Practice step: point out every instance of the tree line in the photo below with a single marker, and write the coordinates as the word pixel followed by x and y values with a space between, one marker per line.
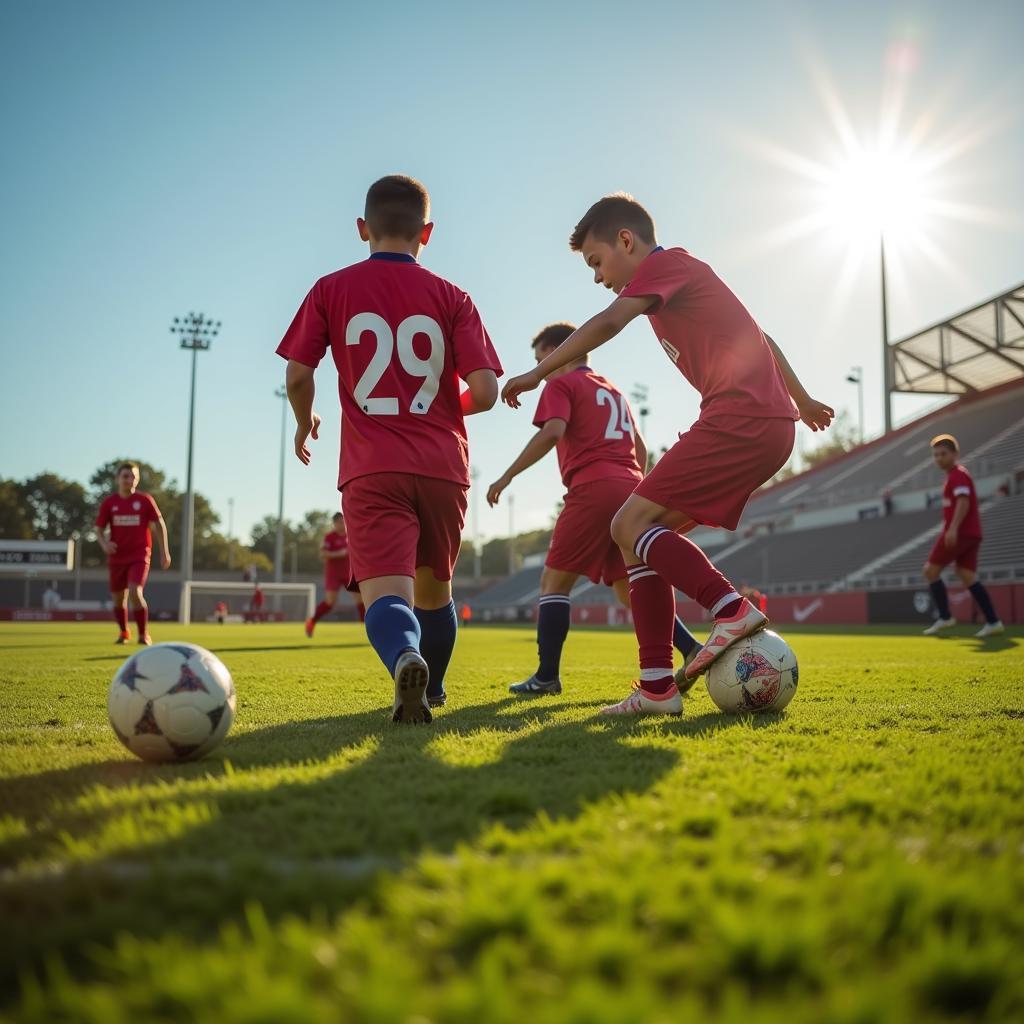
pixel 49 507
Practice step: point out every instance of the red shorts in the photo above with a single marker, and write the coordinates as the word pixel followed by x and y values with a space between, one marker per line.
pixel 127 574
pixel 714 468
pixel 965 554
pixel 582 542
pixel 398 522
pixel 335 581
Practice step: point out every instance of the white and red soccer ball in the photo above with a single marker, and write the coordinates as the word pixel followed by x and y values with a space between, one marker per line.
pixel 171 702
pixel 758 673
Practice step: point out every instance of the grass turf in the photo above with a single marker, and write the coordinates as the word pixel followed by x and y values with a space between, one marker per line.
pixel 856 859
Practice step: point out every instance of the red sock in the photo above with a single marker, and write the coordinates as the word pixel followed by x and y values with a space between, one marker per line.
pixel 687 568
pixel 361 608
pixel 321 610
pixel 654 616
pixel 121 616
pixel 142 619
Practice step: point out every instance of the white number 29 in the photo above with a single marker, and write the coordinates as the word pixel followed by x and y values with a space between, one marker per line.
pixel 619 422
pixel 429 369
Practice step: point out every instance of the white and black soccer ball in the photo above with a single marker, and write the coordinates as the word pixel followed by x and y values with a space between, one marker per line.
pixel 171 702
pixel 757 673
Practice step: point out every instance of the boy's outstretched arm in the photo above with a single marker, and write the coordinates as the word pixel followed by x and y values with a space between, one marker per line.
pixel 594 333
pixel 301 388
pixel 481 392
pixel 815 414
pixel 536 448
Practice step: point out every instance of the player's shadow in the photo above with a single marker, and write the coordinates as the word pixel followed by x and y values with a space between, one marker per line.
pixel 324 810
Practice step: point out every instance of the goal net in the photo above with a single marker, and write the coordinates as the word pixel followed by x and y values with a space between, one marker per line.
pixel 213 601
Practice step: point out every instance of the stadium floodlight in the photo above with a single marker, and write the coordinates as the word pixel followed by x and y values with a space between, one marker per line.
pixel 196 332
pixel 856 376
pixel 281 393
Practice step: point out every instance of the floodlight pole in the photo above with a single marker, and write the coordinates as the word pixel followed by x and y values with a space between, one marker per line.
pixel 887 374
pixel 856 376
pixel 196 332
pixel 281 393
pixel 474 476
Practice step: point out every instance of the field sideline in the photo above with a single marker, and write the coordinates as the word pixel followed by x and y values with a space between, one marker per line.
pixel 859 858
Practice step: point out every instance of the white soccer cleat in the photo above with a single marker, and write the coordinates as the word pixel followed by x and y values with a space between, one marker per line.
pixel 990 629
pixel 411 678
pixel 640 702
pixel 724 633
pixel 940 626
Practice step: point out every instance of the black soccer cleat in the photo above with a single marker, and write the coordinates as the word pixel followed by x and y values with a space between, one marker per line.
pixel 534 687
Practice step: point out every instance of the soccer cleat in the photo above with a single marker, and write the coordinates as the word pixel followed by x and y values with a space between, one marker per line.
pixel 145 640
pixel 310 623
pixel 724 633
pixel 682 683
pixel 640 702
pixel 123 637
pixel 939 625
pixel 990 629
pixel 534 687
pixel 411 678
pixel 437 700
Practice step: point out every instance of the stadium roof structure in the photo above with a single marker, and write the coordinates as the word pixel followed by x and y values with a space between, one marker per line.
pixel 977 349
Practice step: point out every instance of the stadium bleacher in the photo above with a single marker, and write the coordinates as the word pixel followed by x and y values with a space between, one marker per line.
pixel 864 521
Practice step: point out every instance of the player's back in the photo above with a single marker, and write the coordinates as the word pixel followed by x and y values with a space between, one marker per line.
pixel 401 338
pixel 600 436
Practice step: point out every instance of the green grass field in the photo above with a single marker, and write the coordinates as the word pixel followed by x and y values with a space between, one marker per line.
pixel 859 858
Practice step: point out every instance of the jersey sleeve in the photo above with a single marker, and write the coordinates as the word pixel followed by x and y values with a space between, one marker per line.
pixel 471 344
pixel 660 276
pixel 555 403
pixel 961 485
pixel 308 338
pixel 103 515
pixel 152 510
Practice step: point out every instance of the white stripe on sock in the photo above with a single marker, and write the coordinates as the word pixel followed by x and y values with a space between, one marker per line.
pixel 643 545
pixel 554 599
pixel 641 575
pixel 728 599
pixel 649 675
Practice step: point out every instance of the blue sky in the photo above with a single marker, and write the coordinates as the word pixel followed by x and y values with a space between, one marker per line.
pixel 161 158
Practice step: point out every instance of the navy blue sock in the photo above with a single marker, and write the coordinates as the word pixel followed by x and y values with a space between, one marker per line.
pixel 391 628
pixel 553 614
pixel 983 601
pixel 682 639
pixel 940 597
pixel 438 628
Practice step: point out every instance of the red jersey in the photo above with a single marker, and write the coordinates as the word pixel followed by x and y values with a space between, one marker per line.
pixel 401 338
pixel 708 333
pixel 599 442
pixel 960 485
pixel 334 542
pixel 129 520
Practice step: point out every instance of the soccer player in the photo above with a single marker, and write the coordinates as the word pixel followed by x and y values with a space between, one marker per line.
pixel 959 541
pixel 600 451
pixel 337 572
pixel 124 521
pixel 743 436
pixel 401 338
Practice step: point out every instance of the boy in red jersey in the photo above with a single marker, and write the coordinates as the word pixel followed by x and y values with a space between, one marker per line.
pixel 600 452
pixel 743 436
pixel 402 339
pixel 337 572
pixel 123 522
pixel 959 541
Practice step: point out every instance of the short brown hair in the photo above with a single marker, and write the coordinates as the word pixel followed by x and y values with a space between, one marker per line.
pixel 608 216
pixel 397 206
pixel 337 516
pixel 552 336
pixel 945 441
pixel 126 465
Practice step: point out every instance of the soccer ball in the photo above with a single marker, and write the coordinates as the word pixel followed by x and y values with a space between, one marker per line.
pixel 758 673
pixel 171 702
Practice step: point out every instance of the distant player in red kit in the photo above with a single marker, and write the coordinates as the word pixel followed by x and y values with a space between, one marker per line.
pixel 750 397
pixel 256 603
pixel 124 520
pixel 600 451
pixel 402 339
pixel 337 572
pixel 959 542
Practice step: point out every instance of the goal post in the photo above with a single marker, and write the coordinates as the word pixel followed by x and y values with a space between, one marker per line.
pixel 283 602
